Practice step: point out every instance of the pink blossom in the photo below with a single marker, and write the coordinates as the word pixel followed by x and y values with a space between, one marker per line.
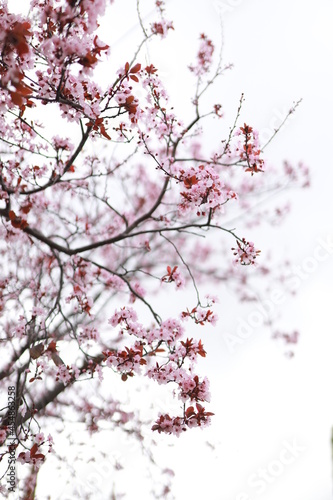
pixel 3 435
pixel 39 438
pixel 161 28
pixel 245 253
pixel 127 361
pixel 65 373
pixel 24 458
pixel 126 314
pixel 203 191
pixel 174 275
pixel 248 149
pixel 204 56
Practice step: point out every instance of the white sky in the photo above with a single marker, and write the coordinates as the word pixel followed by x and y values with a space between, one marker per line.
pixel 282 51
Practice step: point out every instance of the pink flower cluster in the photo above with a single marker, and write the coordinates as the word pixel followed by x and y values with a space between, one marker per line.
pixel 177 425
pixel 200 315
pixel 163 26
pixel 189 349
pixel 82 279
pixel 155 115
pixel 248 149
pixel 64 38
pixel 173 275
pixel 89 332
pixel 204 190
pixel 70 34
pixel 126 315
pixel 3 435
pixel 34 455
pixel 298 174
pixel 128 361
pixel 67 374
pixel 166 336
pixel 15 35
pixel 169 331
pixel 84 303
pixel 127 101
pixel 245 253
pixel 204 56
pixel 190 387
pixel 34 459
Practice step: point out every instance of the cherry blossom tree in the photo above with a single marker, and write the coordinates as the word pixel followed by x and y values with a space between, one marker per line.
pixel 108 198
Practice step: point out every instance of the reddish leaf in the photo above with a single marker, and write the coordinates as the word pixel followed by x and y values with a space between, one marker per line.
pixel 190 181
pixel 151 69
pixel 27 207
pixel 135 68
pixel 12 215
pixel 33 450
pixel 190 411
pixel 17 222
pixel 98 48
pixel 52 347
pixel 104 132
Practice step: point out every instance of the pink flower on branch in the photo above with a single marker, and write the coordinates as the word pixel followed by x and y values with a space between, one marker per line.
pixel 39 438
pixel 33 457
pixel 161 27
pixel 201 316
pixel 245 253
pixel 204 59
pixel 177 425
pixel 204 190
pixel 128 361
pixel 173 275
pixel 249 150
pixel 3 435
